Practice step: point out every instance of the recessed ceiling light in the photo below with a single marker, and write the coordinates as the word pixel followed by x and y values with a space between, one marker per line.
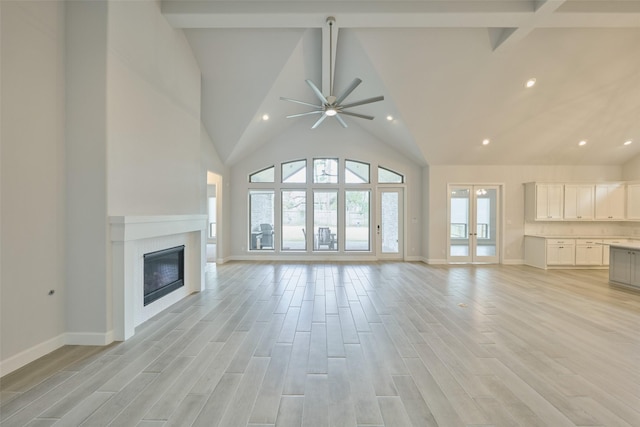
pixel 265 117
pixel 628 142
pixel 485 141
pixel 531 82
pixel 581 143
pixel 389 117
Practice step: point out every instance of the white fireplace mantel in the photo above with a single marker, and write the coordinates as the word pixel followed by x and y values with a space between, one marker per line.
pixel 133 236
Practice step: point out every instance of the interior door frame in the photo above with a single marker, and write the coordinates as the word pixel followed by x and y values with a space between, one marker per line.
pixel 472 258
pixel 402 225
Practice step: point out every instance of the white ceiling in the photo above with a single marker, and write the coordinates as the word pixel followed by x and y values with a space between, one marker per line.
pixel 452 73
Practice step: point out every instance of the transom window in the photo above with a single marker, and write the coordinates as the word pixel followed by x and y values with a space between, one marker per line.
pixel 387 176
pixel 325 171
pixel 294 172
pixel 264 175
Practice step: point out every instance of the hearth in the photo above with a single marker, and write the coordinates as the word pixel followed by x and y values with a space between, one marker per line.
pixel 163 273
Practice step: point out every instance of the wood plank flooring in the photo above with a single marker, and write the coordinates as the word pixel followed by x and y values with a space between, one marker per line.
pixel 356 344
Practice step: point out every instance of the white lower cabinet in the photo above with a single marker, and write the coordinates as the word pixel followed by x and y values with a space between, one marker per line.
pixel 561 252
pixel 588 252
pixel 625 266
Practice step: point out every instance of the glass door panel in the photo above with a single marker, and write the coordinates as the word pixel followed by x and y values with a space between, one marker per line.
pixel 391 226
pixel 459 216
pixel 474 223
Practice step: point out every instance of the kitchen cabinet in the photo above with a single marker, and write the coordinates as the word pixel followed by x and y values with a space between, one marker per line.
pixel 633 201
pixel 561 252
pixel 579 201
pixel 544 202
pixel 606 248
pixel 610 201
pixel 588 252
pixel 624 266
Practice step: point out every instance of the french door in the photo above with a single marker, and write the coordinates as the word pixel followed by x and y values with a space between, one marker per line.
pixel 390 227
pixel 474 224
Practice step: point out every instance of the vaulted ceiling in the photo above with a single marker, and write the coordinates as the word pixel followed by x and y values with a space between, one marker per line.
pixel 452 73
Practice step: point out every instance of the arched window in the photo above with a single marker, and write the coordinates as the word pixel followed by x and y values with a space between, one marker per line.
pixel 264 175
pixel 387 176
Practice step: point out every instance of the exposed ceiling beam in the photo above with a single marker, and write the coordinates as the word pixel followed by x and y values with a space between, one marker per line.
pixel 403 14
pixel 511 36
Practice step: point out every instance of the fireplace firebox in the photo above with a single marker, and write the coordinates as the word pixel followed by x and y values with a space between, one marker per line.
pixel 163 273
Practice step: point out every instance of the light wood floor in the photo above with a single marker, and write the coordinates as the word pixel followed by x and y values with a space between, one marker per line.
pixel 369 344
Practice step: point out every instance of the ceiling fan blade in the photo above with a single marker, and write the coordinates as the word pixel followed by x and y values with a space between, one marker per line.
pixel 320 120
pixel 354 84
pixel 362 116
pixel 341 121
pixel 364 101
pixel 300 102
pixel 315 90
pixel 304 114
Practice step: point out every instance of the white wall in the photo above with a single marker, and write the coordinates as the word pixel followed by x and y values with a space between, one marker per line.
pixel 329 140
pixel 101 116
pixel 32 180
pixel 217 170
pixel 512 177
pixel 631 169
pixel 153 110
pixel 87 243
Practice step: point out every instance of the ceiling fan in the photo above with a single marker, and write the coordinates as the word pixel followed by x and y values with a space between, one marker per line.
pixel 331 105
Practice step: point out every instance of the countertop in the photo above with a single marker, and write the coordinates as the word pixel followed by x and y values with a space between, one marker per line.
pixel 578 236
pixel 633 245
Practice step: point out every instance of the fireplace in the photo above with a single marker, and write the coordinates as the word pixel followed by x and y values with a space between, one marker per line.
pixel 163 273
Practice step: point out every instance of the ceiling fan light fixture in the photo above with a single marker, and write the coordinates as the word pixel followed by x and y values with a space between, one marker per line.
pixel 331 112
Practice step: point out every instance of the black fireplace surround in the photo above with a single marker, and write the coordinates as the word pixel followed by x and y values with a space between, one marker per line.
pixel 163 273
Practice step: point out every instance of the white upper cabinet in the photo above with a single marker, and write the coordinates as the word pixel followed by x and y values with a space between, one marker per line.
pixel 610 201
pixel 544 202
pixel 633 201
pixel 579 201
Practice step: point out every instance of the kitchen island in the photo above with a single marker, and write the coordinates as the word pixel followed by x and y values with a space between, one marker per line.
pixel 624 264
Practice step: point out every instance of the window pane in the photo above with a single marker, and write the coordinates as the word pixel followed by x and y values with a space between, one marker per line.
pixel 325 220
pixel 261 206
pixel 265 175
pixel 294 171
pixel 325 171
pixel 385 176
pixel 356 232
pixel 294 208
pixel 356 172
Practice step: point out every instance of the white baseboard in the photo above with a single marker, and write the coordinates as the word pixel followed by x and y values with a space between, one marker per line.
pixel 88 338
pixel 29 355
pixel 513 261
pixel 71 338
pixel 436 261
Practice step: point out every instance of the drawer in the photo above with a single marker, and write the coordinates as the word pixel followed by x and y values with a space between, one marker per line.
pixel 588 242
pixel 561 241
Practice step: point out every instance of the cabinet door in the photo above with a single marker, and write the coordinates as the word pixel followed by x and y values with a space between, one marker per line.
pixel 588 255
pixel 635 268
pixel 610 200
pixel 578 201
pixel 555 201
pixel 560 254
pixel 633 201
pixel 549 201
pixel 620 265
pixel 542 201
